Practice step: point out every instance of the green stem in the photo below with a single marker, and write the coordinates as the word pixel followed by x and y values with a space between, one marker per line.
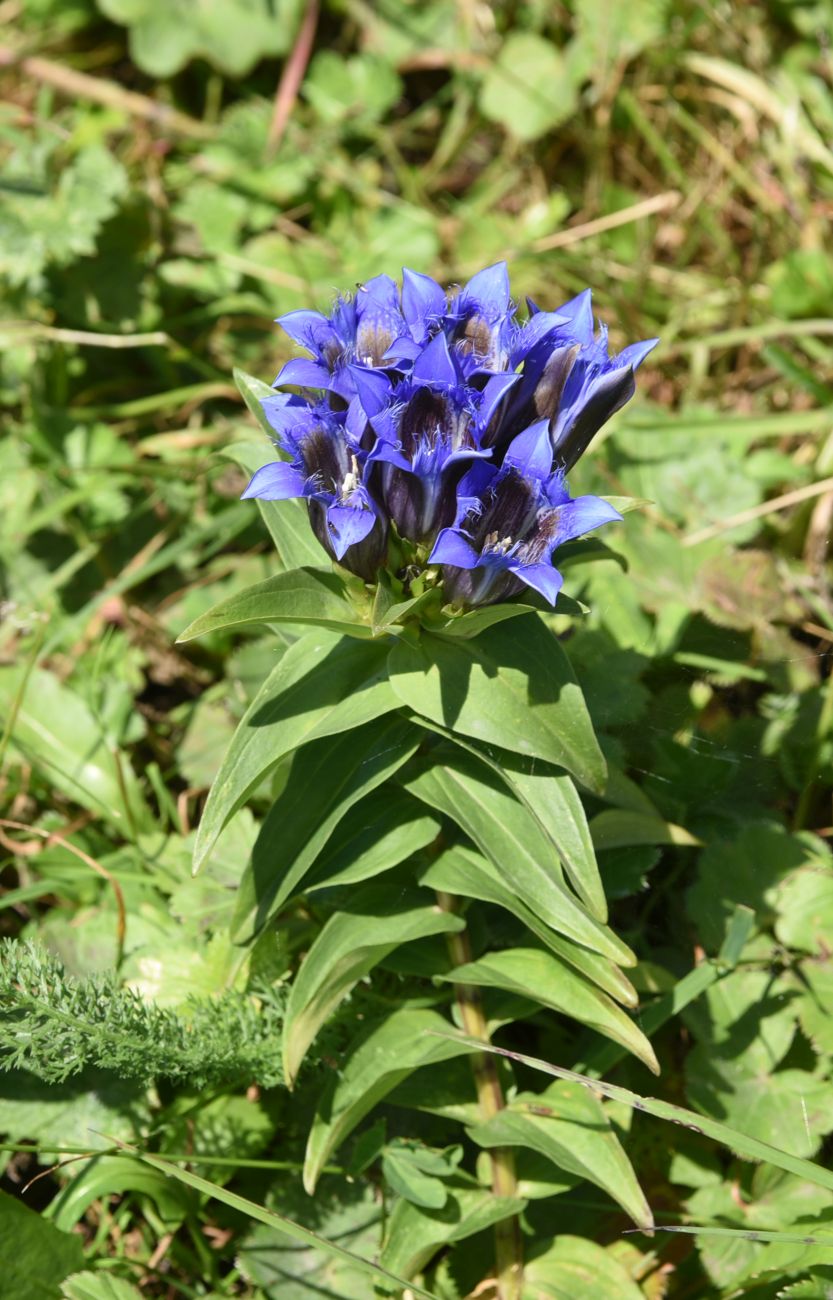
pixel 508 1251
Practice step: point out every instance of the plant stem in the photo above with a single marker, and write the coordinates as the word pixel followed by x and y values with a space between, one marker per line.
pixel 508 1251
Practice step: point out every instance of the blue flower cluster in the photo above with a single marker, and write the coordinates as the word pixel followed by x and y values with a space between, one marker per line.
pixel 435 430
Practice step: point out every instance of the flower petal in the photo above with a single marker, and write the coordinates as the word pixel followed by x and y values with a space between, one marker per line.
pixel 276 481
pixel 423 300
pixel 582 515
pixel 434 365
pixel 541 577
pixel 579 311
pixel 488 291
pixel 346 526
pixel 304 374
pixel 581 419
pixel 531 451
pixel 451 547
pixel 635 353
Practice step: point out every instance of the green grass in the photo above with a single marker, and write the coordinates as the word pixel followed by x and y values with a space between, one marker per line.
pixel 150 230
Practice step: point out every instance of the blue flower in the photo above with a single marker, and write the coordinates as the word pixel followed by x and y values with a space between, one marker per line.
pixel 510 521
pixel 442 416
pixel 430 428
pixel 569 378
pixel 327 470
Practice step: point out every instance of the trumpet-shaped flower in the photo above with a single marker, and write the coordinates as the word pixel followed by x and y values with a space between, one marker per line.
pixel 442 415
pixel 510 521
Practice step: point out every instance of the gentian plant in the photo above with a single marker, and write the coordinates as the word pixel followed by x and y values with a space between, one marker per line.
pixel 425 737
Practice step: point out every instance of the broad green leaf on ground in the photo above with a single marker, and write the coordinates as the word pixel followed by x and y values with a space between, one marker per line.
pixel 743 870
pixel 609 35
pixel 414 1234
pixel 465 872
pixel 325 779
pixel 466 790
pixel 813 1002
pixel 804 903
pixel 292 1270
pixel 232 35
pixel 104 1176
pixel 78 1113
pixel 568 1126
pixel 36 1255
pixel 512 686
pixel 98 1286
pixel 323 684
pixel 390 827
pixel 351 943
pixel 306 595
pixel 768 1201
pixel 287 521
pixel 575 1268
pixel 541 977
pixel 791 1108
pixel 528 88
pixel 56 731
pixel 382 1057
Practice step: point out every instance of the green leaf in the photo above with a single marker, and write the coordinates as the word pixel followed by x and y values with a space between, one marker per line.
pixel 465 872
pixel 415 1234
pixel 575 1268
pixel 324 684
pixel 805 906
pixel 325 778
pixel 36 1255
pixel 511 686
pixel 287 521
pixel 104 1176
pixel 351 943
pixel 385 1054
pixel 77 1112
pixel 543 979
pixel 568 1126
pixel 552 799
pixel 465 789
pixel 315 596
pixel 251 1210
pixel 55 729
pixel 528 88
pixel 98 1286
pixel 416 1172
pixel 620 827
pixel 392 826
pixel 750 1148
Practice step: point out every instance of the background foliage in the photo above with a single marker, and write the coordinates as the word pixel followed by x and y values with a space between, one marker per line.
pixel 153 220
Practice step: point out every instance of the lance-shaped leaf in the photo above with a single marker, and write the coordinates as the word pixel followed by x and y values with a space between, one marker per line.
pixel 351 943
pixel 465 872
pixel 568 1126
pixel 315 596
pixel 387 827
pixel 553 800
pixel 542 978
pixel 512 686
pixel 415 1234
pixel 325 779
pixel 323 684
pixel 620 827
pixel 464 788
pixel 382 1057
